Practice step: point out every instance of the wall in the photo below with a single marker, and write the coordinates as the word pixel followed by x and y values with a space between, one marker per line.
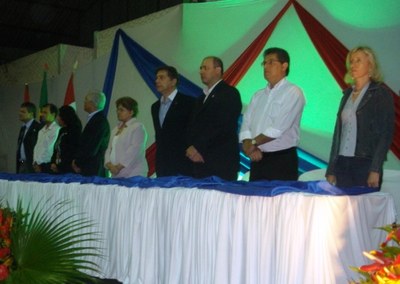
pixel 184 34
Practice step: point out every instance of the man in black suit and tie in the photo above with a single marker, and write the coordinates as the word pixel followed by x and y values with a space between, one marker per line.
pixel 171 116
pixel 214 148
pixel 89 160
pixel 27 137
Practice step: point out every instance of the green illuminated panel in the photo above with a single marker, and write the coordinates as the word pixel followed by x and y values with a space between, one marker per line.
pixel 307 70
pixel 365 13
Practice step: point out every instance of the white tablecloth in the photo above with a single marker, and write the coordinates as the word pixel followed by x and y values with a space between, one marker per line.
pixel 181 235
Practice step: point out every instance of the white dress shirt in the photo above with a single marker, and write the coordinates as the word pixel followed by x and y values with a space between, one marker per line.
pixel 207 90
pixel 348 137
pixel 165 104
pixel 276 113
pixel 44 147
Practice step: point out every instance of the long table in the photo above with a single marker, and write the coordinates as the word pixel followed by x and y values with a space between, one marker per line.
pixel 196 235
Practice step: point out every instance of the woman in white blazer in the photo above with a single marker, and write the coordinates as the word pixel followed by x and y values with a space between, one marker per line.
pixel 125 155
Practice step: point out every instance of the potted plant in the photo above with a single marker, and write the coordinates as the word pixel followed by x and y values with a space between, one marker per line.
pixel 40 247
pixel 385 268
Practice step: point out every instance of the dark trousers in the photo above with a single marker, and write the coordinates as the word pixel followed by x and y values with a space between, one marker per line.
pixel 25 167
pixel 353 171
pixel 203 170
pixel 279 165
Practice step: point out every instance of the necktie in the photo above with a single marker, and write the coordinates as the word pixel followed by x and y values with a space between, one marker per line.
pixel 21 139
pixel 163 109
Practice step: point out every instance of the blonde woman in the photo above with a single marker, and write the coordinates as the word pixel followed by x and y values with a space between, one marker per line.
pixel 364 126
pixel 125 155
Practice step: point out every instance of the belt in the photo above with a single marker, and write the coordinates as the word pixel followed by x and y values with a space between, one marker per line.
pixel 280 152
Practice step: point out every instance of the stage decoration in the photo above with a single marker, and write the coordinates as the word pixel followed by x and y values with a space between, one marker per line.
pixel 27 97
pixel 37 247
pixel 69 99
pixel 331 50
pixel 43 89
pixel 385 268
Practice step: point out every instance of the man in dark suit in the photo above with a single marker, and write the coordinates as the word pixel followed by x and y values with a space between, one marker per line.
pixel 213 134
pixel 171 116
pixel 89 159
pixel 27 138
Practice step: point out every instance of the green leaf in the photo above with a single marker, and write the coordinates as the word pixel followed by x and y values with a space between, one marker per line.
pixel 52 248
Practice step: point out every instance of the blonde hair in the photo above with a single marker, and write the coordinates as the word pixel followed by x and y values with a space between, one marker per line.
pixel 374 72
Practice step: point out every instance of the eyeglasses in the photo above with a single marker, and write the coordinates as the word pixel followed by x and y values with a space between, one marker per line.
pixel 269 62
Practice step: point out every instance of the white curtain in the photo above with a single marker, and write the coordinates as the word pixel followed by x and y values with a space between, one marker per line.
pixel 182 235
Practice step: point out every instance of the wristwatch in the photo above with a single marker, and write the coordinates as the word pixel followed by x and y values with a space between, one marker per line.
pixel 253 142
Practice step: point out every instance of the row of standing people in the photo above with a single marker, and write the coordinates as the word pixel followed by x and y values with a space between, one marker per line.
pixel 57 144
pixel 270 130
pixel 200 137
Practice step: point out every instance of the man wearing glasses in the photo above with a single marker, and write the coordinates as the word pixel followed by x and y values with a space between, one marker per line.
pixel 271 124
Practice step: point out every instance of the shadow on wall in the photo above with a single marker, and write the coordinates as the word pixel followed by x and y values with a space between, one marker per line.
pixel 3 162
pixel 3 155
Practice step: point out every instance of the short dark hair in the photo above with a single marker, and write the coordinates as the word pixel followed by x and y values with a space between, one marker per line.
pixel 69 116
pixel 283 55
pixel 129 104
pixel 217 62
pixel 171 72
pixel 52 108
pixel 30 107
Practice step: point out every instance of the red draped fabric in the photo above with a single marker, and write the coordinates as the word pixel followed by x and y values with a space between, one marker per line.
pixel 331 50
pixel 334 53
pixel 396 138
pixel 151 159
pixel 238 69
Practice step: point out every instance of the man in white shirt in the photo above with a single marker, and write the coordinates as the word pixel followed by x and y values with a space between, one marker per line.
pixel 46 138
pixel 270 129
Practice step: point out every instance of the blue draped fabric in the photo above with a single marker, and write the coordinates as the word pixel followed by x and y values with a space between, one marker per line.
pixel 147 64
pixel 272 188
pixel 110 75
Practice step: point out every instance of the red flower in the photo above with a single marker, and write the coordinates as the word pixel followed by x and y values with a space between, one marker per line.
pixel 4 252
pixel 3 272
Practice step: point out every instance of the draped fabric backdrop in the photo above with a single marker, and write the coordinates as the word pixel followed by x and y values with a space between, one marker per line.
pixel 331 50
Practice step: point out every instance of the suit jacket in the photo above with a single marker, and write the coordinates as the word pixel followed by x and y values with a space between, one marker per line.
pixel 92 146
pixel 171 137
pixel 375 127
pixel 214 132
pixel 130 149
pixel 29 142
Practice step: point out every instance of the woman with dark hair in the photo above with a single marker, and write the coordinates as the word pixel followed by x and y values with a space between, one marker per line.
pixel 125 155
pixel 67 140
pixel 364 126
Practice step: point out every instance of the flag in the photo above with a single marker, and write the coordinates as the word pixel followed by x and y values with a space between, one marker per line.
pixel 69 99
pixel 43 92
pixel 26 94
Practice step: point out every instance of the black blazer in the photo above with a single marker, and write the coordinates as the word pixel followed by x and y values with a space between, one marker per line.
pixel 29 142
pixel 65 148
pixel 171 138
pixel 214 132
pixel 92 146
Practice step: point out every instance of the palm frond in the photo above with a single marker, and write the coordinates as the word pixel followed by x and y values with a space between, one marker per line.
pixel 52 248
